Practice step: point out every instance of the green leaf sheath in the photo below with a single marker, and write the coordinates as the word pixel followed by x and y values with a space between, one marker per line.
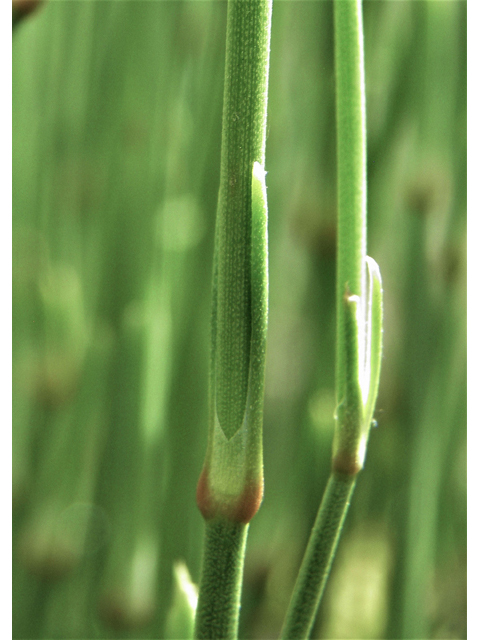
pixel 230 487
pixel 351 167
pixel 232 478
pixel 231 482
pixel 347 454
pixel 243 143
pixel 355 412
pixel 220 587
pixel 318 558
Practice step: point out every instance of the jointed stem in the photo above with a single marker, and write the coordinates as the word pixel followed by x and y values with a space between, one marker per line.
pixel 230 488
pixel 359 323
pixel 243 144
pixel 351 168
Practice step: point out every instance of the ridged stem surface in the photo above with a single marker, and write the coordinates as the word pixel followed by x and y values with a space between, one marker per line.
pixel 318 558
pixel 221 582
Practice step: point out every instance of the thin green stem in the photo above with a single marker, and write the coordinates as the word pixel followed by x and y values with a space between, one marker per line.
pixel 232 479
pixel 221 582
pixel 230 488
pixel 351 169
pixel 243 144
pixel 359 323
pixel 359 287
pixel 318 558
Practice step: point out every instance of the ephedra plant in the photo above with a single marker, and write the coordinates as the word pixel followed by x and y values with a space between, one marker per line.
pixel 231 485
pixel 147 501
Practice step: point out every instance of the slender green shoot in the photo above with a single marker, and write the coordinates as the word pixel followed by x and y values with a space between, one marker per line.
pixel 230 488
pixel 359 324
pixel 318 558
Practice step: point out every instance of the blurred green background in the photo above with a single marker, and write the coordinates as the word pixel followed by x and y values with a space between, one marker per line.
pixel 117 111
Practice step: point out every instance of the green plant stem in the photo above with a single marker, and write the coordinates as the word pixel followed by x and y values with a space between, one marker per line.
pixel 232 478
pixel 243 144
pixel 351 168
pixel 230 488
pixel 359 323
pixel 220 586
pixel 318 558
